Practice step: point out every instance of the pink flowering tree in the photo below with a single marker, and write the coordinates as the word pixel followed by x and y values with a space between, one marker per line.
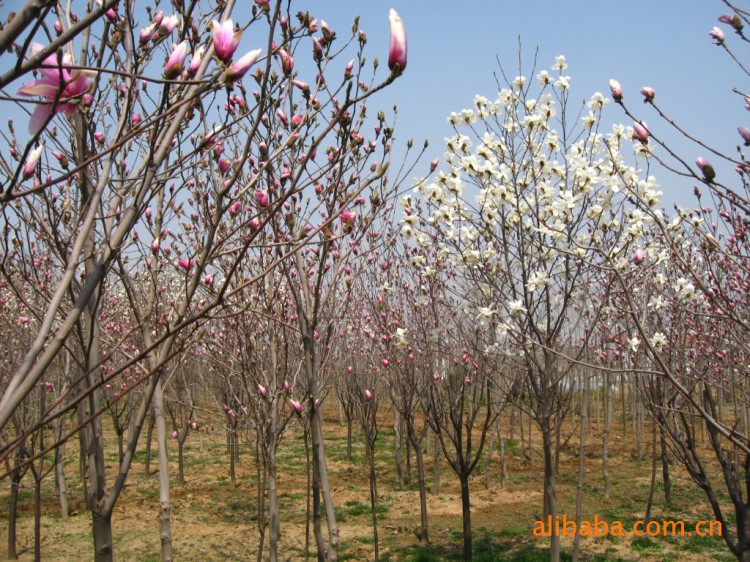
pixel 697 343
pixel 147 163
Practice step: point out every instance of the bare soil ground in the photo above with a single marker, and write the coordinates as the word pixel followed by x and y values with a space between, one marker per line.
pixel 214 519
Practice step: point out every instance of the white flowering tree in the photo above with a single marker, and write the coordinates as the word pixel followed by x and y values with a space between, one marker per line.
pixel 532 215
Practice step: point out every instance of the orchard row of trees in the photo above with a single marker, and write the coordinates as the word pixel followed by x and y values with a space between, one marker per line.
pixel 194 236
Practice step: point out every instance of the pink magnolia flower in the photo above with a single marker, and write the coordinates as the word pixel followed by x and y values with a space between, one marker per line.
pixel 208 279
pixel 23 320
pixel 32 162
pixel 185 264
pixel 195 62
pixel 745 134
pixel 238 69
pixel 397 51
pixel 262 390
pixel 368 395
pixel 175 434
pixel 706 169
pixel 638 256
pixel 168 25
pixel 385 362
pixel 226 39
pixel 261 196
pixel 296 405
pixel 287 387
pixel 648 94
pixel 61 88
pixel 235 208
pixel 348 217
pixel 717 35
pixel 732 19
pixel 616 89
pixel 640 132
pixel 287 62
pixel 176 62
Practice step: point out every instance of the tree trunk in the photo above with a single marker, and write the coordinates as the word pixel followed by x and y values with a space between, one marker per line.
pixel 398 441
pixel 436 470
pixel 665 468
pixel 466 511
pixel 102 530
pixel 165 504
pixel 62 487
pixel 149 436
pixel 550 497
pixel 424 535
pixel 606 432
pixel 319 459
pixel 37 517
pixel 581 465
pixel 373 495
pixel 13 517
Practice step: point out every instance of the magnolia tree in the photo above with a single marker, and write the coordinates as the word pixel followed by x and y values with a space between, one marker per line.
pixel 147 164
pixel 698 341
pixel 531 216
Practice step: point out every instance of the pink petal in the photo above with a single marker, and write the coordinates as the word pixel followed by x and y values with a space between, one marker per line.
pixel 45 88
pixel 39 118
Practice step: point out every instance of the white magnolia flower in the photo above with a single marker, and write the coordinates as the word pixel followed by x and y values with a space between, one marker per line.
pixel 537 281
pixel 516 307
pixel 633 343
pixel 657 341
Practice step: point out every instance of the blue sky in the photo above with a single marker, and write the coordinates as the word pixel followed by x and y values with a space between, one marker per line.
pixel 454 48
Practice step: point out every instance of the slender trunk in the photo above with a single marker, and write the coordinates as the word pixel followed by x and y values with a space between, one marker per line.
pixel 181 460
pixel 319 459
pixel 550 497
pixel 466 512
pixel 13 517
pixel 62 487
pixel 650 501
pixel 606 432
pixel 37 517
pixel 436 470
pixel 165 503
pixel 149 436
pixel 320 542
pixel 349 438
pixel 488 460
pixel 397 447
pixel 581 465
pixel 373 495
pixel 665 468
pixel 273 493
pixel 309 492
pixel 503 463
pixel 424 535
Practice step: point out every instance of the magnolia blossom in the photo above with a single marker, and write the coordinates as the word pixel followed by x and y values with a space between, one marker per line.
pixel 648 94
pixel 238 69
pixel 516 307
pixel 296 405
pixel 368 395
pixel 706 169
pixel 657 341
pixel 62 89
pixel 176 62
pixel 640 132
pixel 225 38
pixel 717 35
pixel 616 89
pixel 30 166
pixel 397 51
